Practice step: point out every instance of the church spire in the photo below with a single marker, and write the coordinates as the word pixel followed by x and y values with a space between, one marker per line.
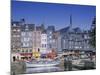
pixel 70 21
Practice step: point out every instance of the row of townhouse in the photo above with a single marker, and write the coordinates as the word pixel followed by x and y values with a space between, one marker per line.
pixel 73 39
pixel 26 38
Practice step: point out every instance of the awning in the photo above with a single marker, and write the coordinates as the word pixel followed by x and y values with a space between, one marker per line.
pixel 26 54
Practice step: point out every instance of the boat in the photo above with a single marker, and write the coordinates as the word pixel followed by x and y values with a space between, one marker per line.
pixel 42 63
pixel 43 69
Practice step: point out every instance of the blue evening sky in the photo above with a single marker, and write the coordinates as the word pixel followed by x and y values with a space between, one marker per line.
pixel 53 14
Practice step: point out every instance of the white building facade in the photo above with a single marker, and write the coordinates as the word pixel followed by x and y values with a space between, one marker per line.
pixel 43 43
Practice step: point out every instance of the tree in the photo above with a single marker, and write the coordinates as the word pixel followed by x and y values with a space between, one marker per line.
pixel 93 33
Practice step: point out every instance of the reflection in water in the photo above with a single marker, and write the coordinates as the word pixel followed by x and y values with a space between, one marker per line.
pixel 43 69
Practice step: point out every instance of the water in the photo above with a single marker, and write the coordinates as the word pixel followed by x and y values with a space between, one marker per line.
pixel 59 68
pixel 63 66
pixel 43 69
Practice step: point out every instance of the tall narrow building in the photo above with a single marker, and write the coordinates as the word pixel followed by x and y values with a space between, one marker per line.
pixel 26 40
pixel 15 40
pixel 43 49
pixel 37 38
pixel 50 31
pixel 15 36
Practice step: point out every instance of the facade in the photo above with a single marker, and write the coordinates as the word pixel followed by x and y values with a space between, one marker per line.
pixel 15 36
pixel 56 41
pixel 59 48
pixel 50 31
pixel 43 42
pixel 75 39
pixel 37 38
pixel 15 40
pixel 87 46
pixel 27 40
pixel 71 40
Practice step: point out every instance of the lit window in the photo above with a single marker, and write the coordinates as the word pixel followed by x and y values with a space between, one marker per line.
pixel 85 36
pixel 50 37
pixel 18 30
pixel 50 32
pixel 14 24
pixel 69 46
pixel 14 35
pixel 14 29
pixel 23 34
pixel 87 46
pixel 76 47
pixel 80 47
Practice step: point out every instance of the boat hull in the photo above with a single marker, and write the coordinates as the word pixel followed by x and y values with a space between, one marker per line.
pixel 28 64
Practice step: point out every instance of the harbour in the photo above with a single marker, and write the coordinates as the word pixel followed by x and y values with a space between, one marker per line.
pixel 65 65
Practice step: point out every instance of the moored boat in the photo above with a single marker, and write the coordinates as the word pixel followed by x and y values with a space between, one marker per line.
pixel 42 63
